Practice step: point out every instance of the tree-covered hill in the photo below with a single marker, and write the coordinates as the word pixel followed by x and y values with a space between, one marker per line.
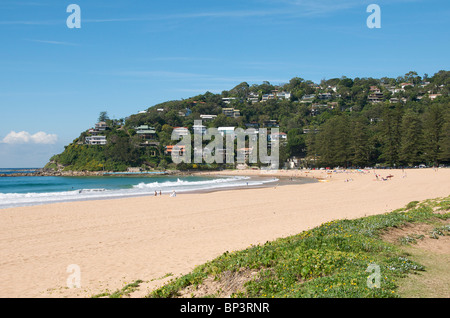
pixel 346 122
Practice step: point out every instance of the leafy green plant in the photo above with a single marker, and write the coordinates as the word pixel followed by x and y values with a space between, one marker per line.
pixel 440 231
pixel 126 290
pixel 410 239
pixel 411 204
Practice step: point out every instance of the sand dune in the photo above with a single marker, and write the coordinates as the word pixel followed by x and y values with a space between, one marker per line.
pixel 118 241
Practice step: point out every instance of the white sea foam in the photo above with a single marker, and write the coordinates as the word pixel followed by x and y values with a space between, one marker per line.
pixel 8 200
pixel 193 185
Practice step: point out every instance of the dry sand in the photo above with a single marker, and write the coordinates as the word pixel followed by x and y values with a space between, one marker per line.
pixel 115 242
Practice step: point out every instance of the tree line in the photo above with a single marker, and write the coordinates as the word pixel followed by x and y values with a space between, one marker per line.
pixel 399 137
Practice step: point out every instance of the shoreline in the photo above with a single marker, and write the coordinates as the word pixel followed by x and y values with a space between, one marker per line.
pixel 153 239
pixel 280 181
pixel 41 173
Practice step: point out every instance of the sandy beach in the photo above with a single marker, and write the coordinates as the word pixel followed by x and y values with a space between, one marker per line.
pixel 115 242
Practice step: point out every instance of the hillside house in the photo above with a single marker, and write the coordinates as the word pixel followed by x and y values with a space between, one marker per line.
pixel 281 136
pixel 226 131
pixel 174 148
pixel 271 124
pixel 253 97
pixel 375 97
pixel 231 112
pixel 95 140
pixel 283 95
pixel 145 132
pixel 181 131
pixel 228 100
pixel 208 117
pixel 101 126
pixel 252 124
pixel 325 96
pixel 266 97
pixel 403 85
pixel 308 98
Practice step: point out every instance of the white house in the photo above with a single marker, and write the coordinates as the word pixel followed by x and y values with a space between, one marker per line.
pixel 224 131
pixel 395 90
pixel 228 100
pixel 284 95
pixel 253 97
pixel 95 140
pixel 181 131
pixel 208 117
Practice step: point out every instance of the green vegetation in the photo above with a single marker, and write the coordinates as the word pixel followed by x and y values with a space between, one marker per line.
pixel 339 122
pixel 328 261
pixel 440 231
pixel 126 290
pixel 412 204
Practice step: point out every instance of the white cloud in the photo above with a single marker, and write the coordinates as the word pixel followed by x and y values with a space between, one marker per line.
pixel 24 137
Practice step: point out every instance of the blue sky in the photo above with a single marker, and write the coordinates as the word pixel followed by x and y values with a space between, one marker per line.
pixel 130 55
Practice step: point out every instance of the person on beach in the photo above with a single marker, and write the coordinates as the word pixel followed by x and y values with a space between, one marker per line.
pixel 173 194
pixel 156 193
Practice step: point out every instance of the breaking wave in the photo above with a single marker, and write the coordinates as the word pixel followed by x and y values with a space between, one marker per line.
pixel 8 200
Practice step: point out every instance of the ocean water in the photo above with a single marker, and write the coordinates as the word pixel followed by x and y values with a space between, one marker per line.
pixel 26 191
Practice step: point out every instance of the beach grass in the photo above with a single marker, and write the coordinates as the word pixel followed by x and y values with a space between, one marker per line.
pixel 338 259
pixel 126 290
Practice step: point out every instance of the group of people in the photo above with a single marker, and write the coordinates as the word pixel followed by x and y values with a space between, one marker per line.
pixel 379 177
pixel 173 194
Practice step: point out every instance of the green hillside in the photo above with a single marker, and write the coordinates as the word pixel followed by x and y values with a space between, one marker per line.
pixel 344 122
